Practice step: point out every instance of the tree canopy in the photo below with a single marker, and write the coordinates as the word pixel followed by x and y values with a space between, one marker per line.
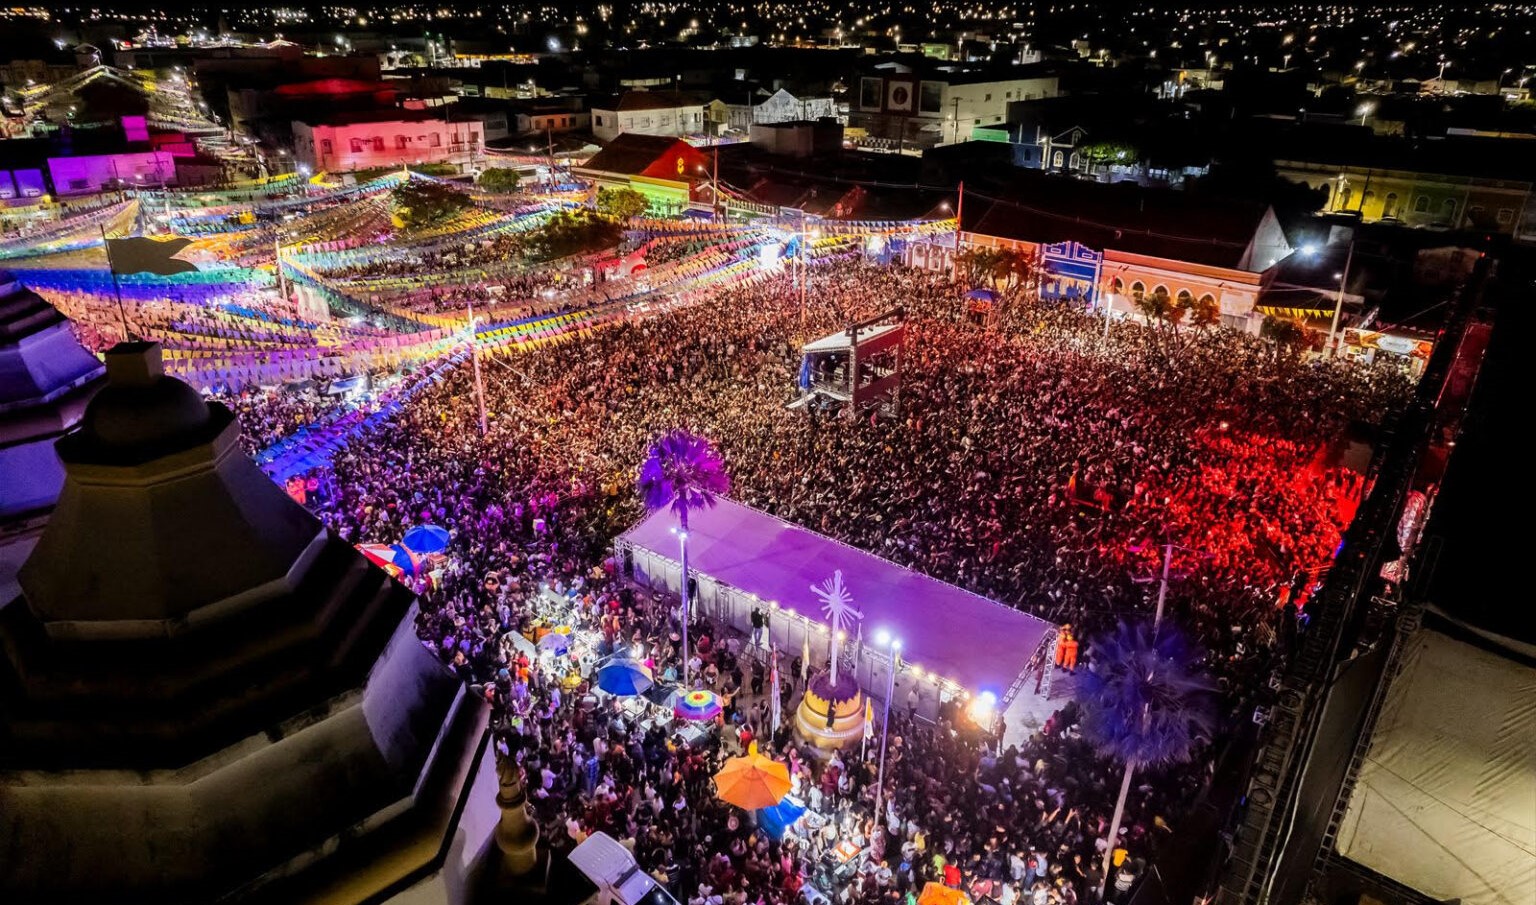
pixel 500 179
pixel 625 204
pixel 419 204
pixel 573 232
pixel 1146 702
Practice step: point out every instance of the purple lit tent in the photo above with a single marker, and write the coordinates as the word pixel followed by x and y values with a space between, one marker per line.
pixel 743 558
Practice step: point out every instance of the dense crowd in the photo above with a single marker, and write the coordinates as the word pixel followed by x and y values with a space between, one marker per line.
pixel 1035 460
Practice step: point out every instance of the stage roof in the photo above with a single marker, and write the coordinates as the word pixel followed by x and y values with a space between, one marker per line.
pixel 944 629
pixel 1446 799
pixel 837 342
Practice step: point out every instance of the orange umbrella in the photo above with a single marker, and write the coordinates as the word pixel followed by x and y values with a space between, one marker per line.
pixel 752 782
pixel 939 894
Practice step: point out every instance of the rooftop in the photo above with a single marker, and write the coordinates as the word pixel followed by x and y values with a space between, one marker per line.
pixel 649 100
pixel 630 153
pixel 354 117
pixel 1182 226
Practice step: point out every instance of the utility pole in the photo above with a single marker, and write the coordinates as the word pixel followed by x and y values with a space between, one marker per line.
pixel 474 354
pixel 715 187
pixel 802 275
pixel 1162 590
pixel 959 213
pixel 277 259
pixel 116 289
pixel 956 137
pixel 1338 305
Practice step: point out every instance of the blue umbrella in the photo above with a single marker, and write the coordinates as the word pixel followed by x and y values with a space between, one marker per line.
pixel 984 295
pixel 426 539
pixel 623 676
pixel 775 820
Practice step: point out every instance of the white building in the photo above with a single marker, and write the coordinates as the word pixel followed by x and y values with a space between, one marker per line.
pixel 739 114
pixel 359 141
pixel 668 113
pixel 906 111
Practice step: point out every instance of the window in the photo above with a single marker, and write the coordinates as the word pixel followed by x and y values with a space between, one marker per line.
pixel 989 98
pixel 474 136
pixel 1327 191
pixel 869 94
pixel 1058 159
pixel 325 147
pixel 1421 204
pixel 1007 95
pixel 1389 208
pixel 1116 287
pixel 1138 291
pixel 1506 216
pixel 930 97
pixel 401 142
pixel 1186 298
pixel 599 119
pixel 437 140
pixel 378 143
pixel 1365 200
pixel 1207 301
pixel 357 146
pixel 1448 209
pixel 1344 198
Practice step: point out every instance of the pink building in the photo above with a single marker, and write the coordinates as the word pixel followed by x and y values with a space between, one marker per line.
pixel 358 141
pixel 109 172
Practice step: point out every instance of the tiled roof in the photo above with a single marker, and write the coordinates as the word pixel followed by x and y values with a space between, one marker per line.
pixel 630 153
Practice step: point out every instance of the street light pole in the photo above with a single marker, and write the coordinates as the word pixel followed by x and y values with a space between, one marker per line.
pixel 1338 305
pixel 885 728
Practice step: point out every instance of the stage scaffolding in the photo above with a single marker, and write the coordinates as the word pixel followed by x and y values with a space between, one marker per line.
pixel 858 367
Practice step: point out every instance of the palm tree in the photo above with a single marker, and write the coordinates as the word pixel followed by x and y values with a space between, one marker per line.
pixel 1145 703
pixel 682 472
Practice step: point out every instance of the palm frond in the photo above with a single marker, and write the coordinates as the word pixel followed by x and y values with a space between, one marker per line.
pixel 683 472
pixel 1145 702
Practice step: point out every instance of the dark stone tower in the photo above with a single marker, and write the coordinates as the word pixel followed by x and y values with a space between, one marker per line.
pixel 206 696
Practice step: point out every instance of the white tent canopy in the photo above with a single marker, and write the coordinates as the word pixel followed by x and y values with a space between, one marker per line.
pixel 1446 798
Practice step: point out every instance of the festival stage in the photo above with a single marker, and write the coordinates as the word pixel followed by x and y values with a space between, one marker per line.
pixel 953 641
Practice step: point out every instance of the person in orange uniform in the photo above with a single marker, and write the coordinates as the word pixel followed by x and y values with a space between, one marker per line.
pixel 1062 638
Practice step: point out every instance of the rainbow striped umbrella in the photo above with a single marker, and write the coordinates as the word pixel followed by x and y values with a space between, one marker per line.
pixel 697 705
